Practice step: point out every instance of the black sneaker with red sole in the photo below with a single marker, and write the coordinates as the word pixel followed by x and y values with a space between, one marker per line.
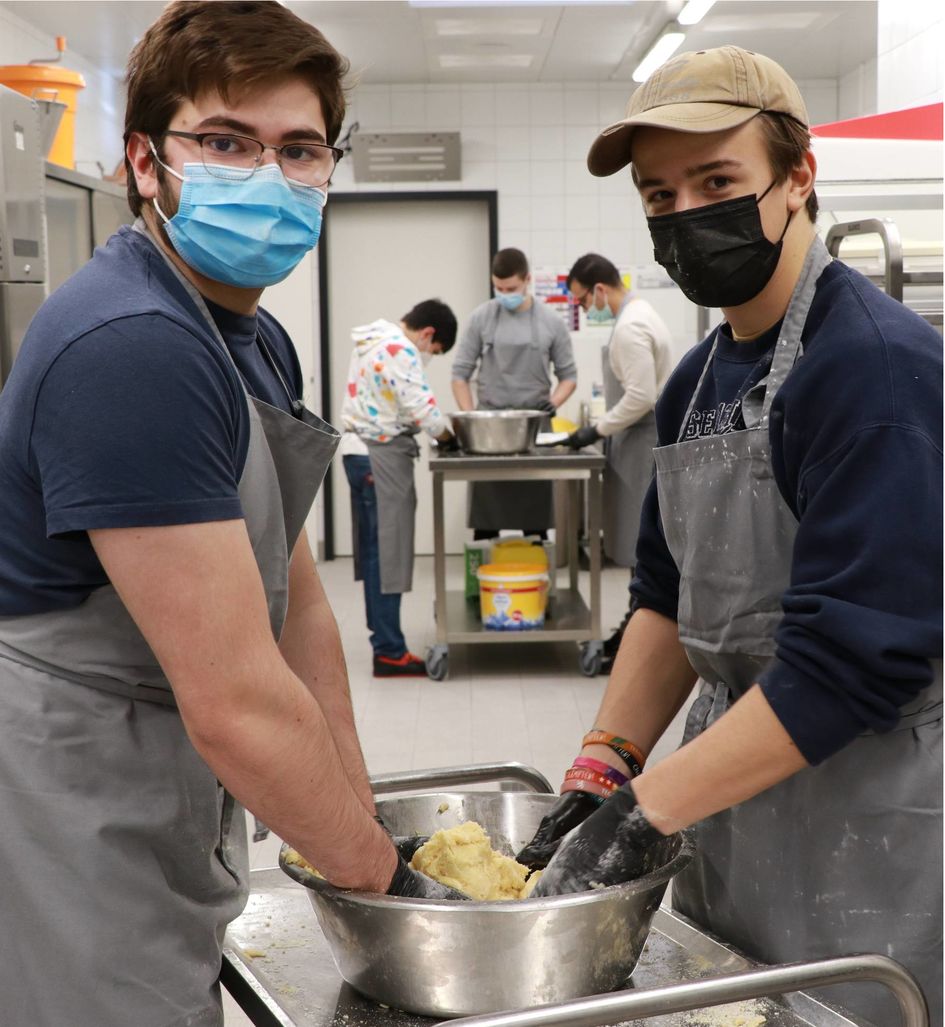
pixel 406 666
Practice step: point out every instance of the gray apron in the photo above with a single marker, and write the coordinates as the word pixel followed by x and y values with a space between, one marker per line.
pixel 123 857
pixel 628 472
pixel 841 858
pixel 392 468
pixel 512 376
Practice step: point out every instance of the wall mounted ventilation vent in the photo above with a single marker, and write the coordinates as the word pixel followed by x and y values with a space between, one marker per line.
pixel 406 156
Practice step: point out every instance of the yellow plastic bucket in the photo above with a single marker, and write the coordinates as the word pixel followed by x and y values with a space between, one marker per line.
pixel 517 550
pixel 50 82
pixel 513 596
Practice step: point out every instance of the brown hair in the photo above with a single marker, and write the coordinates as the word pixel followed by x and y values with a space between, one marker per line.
pixel 196 45
pixel 510 262
pixel 786 141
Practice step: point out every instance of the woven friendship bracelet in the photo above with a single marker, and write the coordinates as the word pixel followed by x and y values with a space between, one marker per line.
pixel 627 751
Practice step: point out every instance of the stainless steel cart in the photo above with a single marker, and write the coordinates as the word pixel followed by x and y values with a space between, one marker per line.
pixel 571 619
pixel 279 969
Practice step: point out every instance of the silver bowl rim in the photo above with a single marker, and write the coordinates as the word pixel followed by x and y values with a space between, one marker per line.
pixel 495 415
pixel 500 907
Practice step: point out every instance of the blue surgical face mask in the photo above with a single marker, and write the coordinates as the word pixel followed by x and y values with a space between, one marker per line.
pixel 247 232
pixel 598 315
pixel 510 300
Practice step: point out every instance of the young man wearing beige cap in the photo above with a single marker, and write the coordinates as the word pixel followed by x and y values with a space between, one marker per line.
pixel 789 562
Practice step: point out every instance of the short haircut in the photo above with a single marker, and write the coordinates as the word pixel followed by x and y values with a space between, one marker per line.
pixel 437 315
pixel 786 141
pixel 591 269
pixel 510 262
pixel 229 46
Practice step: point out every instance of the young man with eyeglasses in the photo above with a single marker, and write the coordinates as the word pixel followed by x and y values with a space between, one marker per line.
pixel 167 651
pixel 790 558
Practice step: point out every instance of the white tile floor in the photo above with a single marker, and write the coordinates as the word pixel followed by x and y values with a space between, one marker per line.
pixel 527 702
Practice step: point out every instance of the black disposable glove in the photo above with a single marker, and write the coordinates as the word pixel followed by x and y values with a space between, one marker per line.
pixel 406 845
pixel 546 408
pixel 569 811
pixel 448 445
pixel 613 845
pixel 410 883
pixel 586 436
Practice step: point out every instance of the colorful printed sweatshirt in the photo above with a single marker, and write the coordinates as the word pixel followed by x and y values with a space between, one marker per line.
pixel 388 393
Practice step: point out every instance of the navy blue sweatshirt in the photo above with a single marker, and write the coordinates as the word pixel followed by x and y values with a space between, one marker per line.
pixel 856 436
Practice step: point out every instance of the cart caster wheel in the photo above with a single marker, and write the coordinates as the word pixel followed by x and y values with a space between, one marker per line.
pixel 592 658
pixel 438 663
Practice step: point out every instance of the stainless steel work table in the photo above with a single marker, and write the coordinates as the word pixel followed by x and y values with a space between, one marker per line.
pixel 570 619
pixel 278 968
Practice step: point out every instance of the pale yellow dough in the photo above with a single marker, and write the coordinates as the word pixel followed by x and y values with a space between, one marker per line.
pixel 463 858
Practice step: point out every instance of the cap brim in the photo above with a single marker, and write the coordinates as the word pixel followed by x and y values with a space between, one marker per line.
pixel 612 149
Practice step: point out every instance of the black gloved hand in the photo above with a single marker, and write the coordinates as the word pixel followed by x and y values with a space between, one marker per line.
pixel 410 883
pixel 613 845
pixel 546 408
pixel 585 436
pixel 449 445
pixel 407 845
pixel 569 811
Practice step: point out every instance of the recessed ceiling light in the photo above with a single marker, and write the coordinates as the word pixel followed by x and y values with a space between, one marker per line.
pixel 503 60
pixel 488 26
pixel 667 44
pixel 694 12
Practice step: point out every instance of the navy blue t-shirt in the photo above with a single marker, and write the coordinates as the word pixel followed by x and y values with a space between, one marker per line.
pixel 123 410
pixel 856 437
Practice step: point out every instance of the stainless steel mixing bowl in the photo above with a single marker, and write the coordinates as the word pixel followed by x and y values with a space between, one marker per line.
pixel 497 432
pixel 460 958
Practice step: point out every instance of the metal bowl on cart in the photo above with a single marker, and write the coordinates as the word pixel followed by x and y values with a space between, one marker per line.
pixel 497 432
pixel 460 958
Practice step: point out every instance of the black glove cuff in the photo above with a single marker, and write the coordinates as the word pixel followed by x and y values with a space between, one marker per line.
pixel 402 883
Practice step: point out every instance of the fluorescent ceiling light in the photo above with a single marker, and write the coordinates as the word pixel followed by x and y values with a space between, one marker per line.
pixel 497 60
pixel 694 12
pixel 488 26
pixel 659 52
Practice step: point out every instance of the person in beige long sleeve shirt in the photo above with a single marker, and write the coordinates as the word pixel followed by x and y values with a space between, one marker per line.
pixel 637 361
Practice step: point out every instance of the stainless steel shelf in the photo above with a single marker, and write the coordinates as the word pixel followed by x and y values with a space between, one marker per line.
pixel 568 620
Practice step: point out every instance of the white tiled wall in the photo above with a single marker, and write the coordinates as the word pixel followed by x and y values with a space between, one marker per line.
pixel 909 54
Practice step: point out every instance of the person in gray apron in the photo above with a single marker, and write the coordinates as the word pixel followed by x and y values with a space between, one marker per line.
pixel 514 342
pixel 388 400
pixel 123 846
pixel 636 363
pixel 812 758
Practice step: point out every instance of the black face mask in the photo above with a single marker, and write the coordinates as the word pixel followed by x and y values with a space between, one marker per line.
pixel 718 255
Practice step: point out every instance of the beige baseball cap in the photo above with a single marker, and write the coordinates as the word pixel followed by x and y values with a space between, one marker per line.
pixel 699 91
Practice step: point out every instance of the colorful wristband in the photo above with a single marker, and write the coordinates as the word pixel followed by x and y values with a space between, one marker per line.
pixel 599 792
pixel 627 751
pixel 602 768
pixel 591 776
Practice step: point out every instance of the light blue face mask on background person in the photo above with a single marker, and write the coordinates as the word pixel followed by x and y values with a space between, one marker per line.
pixel 510 300
pixel 248 232
pixel 598 315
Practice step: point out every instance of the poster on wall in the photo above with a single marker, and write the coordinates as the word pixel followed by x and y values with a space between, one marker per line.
pixel 551 288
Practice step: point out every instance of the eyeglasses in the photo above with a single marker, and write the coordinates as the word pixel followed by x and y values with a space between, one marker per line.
pixel 584 300
pixel 311 163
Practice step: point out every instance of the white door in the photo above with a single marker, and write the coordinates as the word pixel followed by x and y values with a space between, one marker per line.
pixel 383 257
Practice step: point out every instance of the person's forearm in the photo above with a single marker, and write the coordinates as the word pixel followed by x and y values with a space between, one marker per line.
pixel 272 749
pixel 744 752
pixel 462 394
pixel 650 681
pixel 311 645
pixel 562 391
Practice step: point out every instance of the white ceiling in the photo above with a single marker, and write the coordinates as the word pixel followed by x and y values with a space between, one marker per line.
pixel 437 41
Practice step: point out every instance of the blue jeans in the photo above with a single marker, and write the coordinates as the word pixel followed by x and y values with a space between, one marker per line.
pixel 383 611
